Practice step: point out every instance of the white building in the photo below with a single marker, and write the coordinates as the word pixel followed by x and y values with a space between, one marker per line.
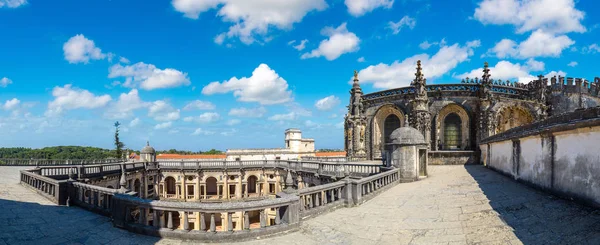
pixel 295 147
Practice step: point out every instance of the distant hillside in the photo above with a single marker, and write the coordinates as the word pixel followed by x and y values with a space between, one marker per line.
pixel 79 152
pixel 57 152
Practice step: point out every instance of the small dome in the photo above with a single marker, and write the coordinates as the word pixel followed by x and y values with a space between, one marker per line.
pixel 148 149
pixel 407 136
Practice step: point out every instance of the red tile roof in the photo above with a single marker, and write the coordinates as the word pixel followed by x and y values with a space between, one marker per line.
pixel 197 156
pixel 331 154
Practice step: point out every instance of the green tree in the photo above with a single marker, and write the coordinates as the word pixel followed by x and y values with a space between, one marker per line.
pixel 118 144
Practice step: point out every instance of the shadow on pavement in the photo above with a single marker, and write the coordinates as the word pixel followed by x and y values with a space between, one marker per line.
pixel 537 217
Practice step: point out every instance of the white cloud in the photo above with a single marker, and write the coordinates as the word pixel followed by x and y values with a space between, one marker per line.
pixel 361 59
pixel 552 16
pixel 161 110
pixel 505 70
pixel 68 98
pixel 535 65
pixel 327 103
pixel 284 117
pixel 401 73
pixel 265 86
pixel 340 41
pixel 425 45
pixel 251 18
pixel 11 104
pixel 200 131
pixel 134 122
pixel 248 112
pixel 556 73
pixel 229 133
pixel 206 117
pixel 5 82
pixel 300 46
pixel 360 7
pixel 148 76
pixel 124 107
pixel 163 125
pixel 396 27
pixel 123 60
pixel 592 48
pixel 539 44
pixel 234 122
pixel 572 63
pixel 12 3
pixel 79 49
pixel 199 105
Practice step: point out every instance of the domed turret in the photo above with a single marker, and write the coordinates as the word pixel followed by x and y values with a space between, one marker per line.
pixel 148 154
pixel 409 153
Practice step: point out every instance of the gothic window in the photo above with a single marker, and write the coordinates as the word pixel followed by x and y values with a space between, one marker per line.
pixel 452 132
pixel 391 123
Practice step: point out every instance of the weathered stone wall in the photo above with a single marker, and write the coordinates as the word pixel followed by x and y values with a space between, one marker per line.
pixel 452 157
pixel 559 154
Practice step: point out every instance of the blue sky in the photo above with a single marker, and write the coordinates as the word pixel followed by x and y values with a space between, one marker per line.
pixel 201 74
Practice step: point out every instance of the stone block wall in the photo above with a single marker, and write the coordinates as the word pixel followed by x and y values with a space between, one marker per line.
pixel 560 155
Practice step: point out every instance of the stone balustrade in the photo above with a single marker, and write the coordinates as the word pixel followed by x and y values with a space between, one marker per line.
pixel 212 220
pixel 206 221
pixel 54 190
pixel 368 187
pixel 318 199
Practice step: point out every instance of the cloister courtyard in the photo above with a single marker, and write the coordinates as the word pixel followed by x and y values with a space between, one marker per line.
pixel 454 205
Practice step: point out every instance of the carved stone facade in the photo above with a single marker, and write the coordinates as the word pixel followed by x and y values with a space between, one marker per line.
pixel 456 117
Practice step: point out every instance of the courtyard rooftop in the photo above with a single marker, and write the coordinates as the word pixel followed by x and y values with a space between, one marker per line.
pixel 455 205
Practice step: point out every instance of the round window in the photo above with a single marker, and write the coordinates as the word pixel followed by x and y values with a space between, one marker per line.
pixel 232 177
pixel 190 178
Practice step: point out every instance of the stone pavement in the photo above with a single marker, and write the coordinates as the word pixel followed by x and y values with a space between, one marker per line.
pixel 455 205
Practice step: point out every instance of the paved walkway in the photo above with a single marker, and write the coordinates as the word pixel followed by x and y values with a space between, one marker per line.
pixel 455 205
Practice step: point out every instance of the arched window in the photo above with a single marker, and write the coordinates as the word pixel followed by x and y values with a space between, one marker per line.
pixel 252 184
pixel 391 123
pixel 170 182
pixel 211 186
pixel 137 184
pixel 452 132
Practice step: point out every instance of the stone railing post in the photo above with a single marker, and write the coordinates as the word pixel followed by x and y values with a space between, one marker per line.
pixel 170 220
pixel 202 222
pixel 348 193
pixel 263 222
pixel 213 227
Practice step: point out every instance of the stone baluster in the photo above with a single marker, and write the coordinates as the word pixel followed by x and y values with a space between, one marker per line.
pixel 263 222
pixel 229 223
pixel 155 218
pixel 95 198
pixel 213 227
pixel 186 223
pixel 202 222
pixel 246 221
pixel 142 219
pixel 277 219
pixel 170 219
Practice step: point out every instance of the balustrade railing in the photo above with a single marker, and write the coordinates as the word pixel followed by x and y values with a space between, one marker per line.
pixel 206 220
pixel 54 190
pixel 366 188
pixel 316 199
pixel 95 198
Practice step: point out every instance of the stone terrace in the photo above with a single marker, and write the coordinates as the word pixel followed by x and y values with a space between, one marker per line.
pixel 455 205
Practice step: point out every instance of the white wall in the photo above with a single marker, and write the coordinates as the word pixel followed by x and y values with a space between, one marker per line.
pixel 500 156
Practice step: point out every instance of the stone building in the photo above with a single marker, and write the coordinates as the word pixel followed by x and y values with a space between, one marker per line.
pixel 295 148
pixel 454 118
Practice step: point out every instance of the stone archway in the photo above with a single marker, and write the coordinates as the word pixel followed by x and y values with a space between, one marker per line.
pixel 459 117
pixel 170 185
pixel 512 116
pixel 379 130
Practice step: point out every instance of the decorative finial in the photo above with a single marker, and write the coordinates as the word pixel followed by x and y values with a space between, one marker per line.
pixel 406 121
pixel 147 143
pixel 355 77
pixel 419 74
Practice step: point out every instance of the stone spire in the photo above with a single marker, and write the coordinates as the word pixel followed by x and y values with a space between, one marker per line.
pixel 355 84
pixel 355 122
pixel 486 73
pixel 420 116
